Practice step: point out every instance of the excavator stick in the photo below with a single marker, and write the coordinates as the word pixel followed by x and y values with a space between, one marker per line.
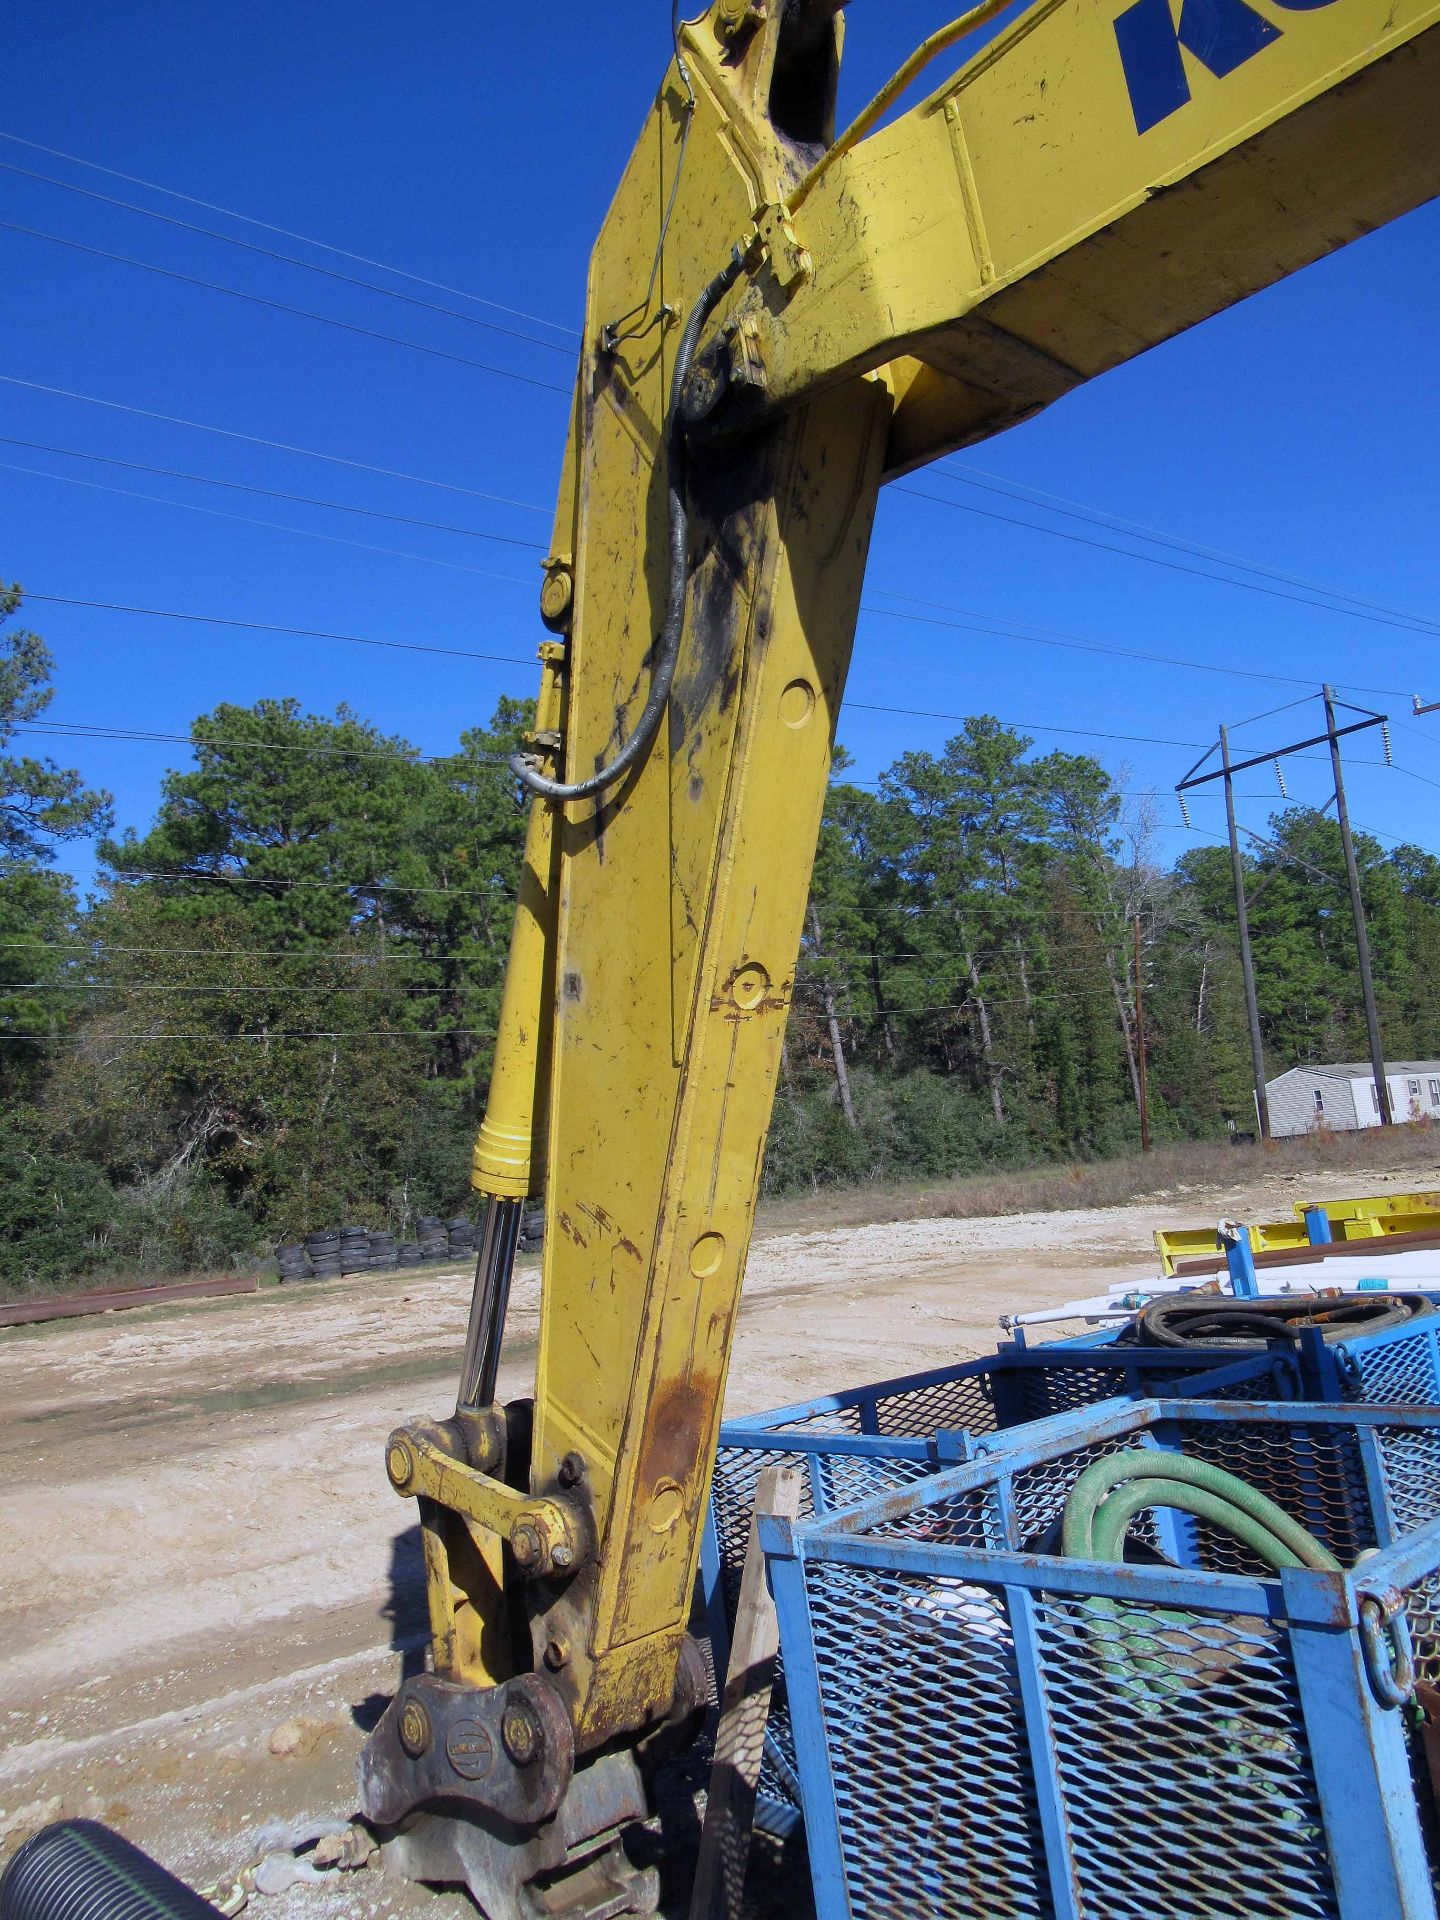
pixel 777 321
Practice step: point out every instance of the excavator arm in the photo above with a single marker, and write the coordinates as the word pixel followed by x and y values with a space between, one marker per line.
pixel 777 321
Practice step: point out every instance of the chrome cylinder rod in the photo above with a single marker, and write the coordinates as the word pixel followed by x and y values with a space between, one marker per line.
pixel 493 1270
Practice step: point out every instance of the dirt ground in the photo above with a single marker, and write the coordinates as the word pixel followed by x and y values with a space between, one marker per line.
pixel 198 1542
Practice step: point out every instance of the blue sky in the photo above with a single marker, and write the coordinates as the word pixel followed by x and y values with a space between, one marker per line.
pixel 478 147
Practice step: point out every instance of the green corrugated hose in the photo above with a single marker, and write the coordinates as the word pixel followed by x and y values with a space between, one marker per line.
pixel 1111 1492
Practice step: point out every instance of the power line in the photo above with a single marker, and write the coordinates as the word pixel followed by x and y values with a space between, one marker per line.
pixel 1075 509
pixel 85 730
pixel 966 620
pixel 1407 625
pixel 1035 726
pixel 266 493
pixel 261 626
pixel 276 446
pixel 219 987
pixel 286 259
pixel 396 956
pixel 1051 637
pixel 342 886
pixel 270 526
pixel 265 226
pixel 377 957
pixel 282 306
pixel 235 1039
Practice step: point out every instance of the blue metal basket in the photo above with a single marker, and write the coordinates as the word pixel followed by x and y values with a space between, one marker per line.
pixel 848 1446
pixel 983 1730
pixel 1401 1366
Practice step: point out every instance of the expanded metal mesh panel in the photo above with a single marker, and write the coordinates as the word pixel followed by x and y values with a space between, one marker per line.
pixel 732 1500
pixel 827 1482
pixel 970 1519
pixel 1395 1372
pixel 1422 1615
pixel 1060 1388
pixel 828 1420
pixel 934 1789
pixel 1315 1472
pixel 1039 1494
pixel 1183 1764
pixel 1410 1466
pixel 967 1400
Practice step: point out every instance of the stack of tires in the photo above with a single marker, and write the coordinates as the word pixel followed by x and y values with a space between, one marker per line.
pixel 354 1250
pixel 532 1229
pixel 407 1253
pixel 460 1233
pixel 433 1240
pixel 294 1263
pixel 324 1251
pixel 384 1255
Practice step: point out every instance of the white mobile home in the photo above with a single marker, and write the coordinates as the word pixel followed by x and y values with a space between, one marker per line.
pixel 1343 1097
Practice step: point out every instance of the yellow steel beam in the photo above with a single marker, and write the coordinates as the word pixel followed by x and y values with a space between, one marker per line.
pixel 1024 228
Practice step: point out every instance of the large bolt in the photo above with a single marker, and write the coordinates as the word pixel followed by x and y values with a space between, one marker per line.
pixel 414 1729
pixel 557 1655
pixel 526 1544
pixel 556 596
pixel 399 1464
pixel 734 17
pixel 572 1470
pixel 521 1735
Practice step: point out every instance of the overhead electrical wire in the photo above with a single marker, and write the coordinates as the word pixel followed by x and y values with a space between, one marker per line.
pixel 276 446
pixel 267 493
pixel 295 886
pixel 1075 509
pixel 1076 645
pixel 283 306
pixel 270 526
pixel 293 633
pixel 285 233
pixel 1046 637
pixel 286 259
pixel 1035 726
pixel 387 956
pixel 220 987
pixel 86 730
pixel 235 1039
pixel 1406 625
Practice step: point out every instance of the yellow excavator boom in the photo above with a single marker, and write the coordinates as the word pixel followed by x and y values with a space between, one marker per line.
pixel 776 322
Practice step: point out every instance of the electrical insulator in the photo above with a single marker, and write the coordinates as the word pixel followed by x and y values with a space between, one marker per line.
pixel 1385 742
pixel 1184 811
pixel 1280 780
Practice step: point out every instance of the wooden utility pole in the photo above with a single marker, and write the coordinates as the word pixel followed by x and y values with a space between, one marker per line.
pixel 1144 1092
pixel 1357 910
pixel 1247 958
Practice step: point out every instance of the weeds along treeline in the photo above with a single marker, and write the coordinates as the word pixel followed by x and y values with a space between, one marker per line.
pixel 275 1009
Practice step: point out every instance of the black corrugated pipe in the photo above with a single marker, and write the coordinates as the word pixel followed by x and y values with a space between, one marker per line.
pixel 79 1870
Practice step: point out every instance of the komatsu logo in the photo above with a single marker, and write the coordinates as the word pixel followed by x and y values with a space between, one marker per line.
pixel 1221 34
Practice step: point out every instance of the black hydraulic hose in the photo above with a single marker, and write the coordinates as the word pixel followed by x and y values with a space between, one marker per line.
pixel 667 652
pixel 79 1870
pixel 1205 1320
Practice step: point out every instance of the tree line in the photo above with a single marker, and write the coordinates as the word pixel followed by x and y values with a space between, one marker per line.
pixel 274 1008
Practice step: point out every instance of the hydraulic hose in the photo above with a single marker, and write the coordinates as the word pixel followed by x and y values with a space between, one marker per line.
pixel 1205 1320
pixel 667 650
pixel 79 1870
pixel 1111 1492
